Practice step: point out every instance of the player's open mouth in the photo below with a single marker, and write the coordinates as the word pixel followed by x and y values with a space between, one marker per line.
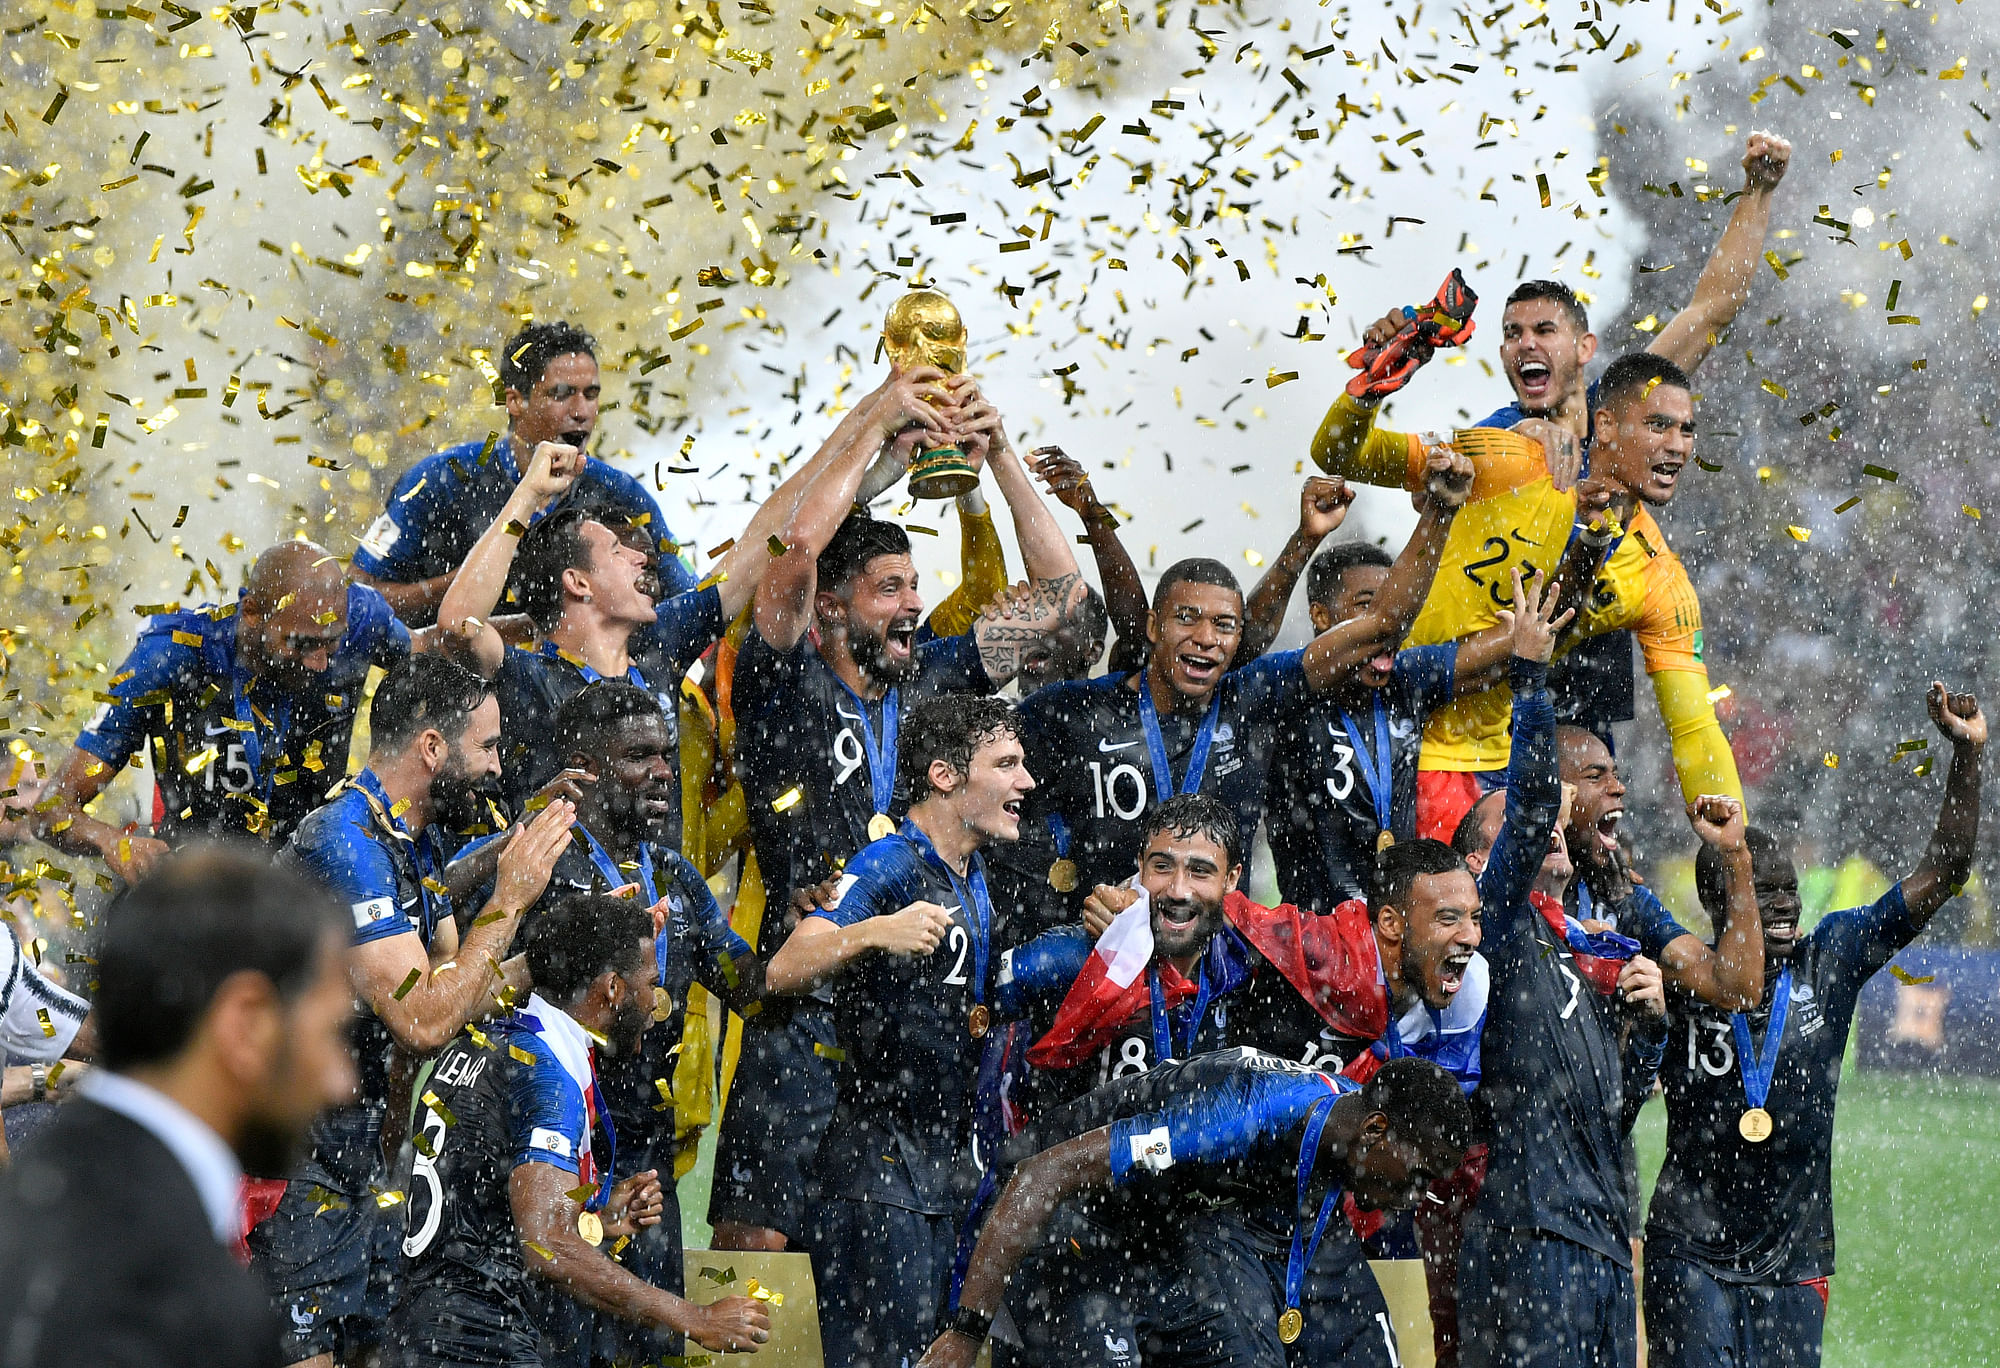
pixel 1451 974
pixel 1666 472
pixel 576 437
pixel 1384 663
pixel 659 804
pixel 1199 668
pixel 1534 376
pixel 1787 930
pixel 1169 921
pixel 901 640
pixel 1607 829
pixel 1012 807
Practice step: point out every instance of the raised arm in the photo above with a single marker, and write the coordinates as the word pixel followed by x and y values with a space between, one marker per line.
pixel 545 1214
pixel 1046 553
pixel 1947 860
pixel 1534 784
pixel 1124 592
pixel 1336 654
pixel 476 589
pixel 1020 1216
pixel 1323 505
pixel 424 1005
pixel 1731 976
pixel 1724 286
pixel 784 598
pixel 982 568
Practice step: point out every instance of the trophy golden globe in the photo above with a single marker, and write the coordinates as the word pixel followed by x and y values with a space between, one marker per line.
pixel 924 329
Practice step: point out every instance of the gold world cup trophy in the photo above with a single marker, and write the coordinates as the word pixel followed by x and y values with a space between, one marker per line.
pixel 924 329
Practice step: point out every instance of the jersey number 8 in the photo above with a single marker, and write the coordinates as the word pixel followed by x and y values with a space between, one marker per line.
pixel 429 1145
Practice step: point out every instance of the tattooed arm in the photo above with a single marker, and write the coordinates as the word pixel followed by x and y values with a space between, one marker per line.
pixel 1055 584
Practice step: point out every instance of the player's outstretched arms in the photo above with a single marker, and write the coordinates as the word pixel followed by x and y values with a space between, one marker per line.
pixel 1947 859
pixel 1731 976
pixel 1724 286
pixel 1336 654
pixel 1021 1214
pixel 545 1215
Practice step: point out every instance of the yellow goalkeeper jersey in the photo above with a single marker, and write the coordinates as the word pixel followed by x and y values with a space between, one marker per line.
pixel 1518 518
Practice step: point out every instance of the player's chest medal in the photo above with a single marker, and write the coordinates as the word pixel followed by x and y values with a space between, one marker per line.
pixel 880 751
pixel 1292 1321
pixel 1756 1125
pixel 1377 769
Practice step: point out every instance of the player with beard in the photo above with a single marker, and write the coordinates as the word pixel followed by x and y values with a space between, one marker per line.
pixel 230 700
pixel 614 739
pixel 378 845
pixel 1109 749
pixel 440 505
pixel 1740 1236
pixel 1546 347
pixel 907 943
pixel 817 744
pixel 516 1177
pixel 1645 426
pixel 592 594
pixel 1230 1129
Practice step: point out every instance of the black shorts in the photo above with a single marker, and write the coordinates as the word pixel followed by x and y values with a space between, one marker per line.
pixel 445 1326
pixel 329 1261
pixel 883 1274
pixel 1529 1299
pixel 1696 1320
pixel 779 1105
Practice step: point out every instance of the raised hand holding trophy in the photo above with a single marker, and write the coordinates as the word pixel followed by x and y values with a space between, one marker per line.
pixel 923 329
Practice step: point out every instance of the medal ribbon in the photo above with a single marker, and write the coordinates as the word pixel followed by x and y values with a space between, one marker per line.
pixel 614 877
pixel 881 754
pixel 1375 769
pixel 1156 746
pixel 1758 1068
pixel 548 651
pixel 596 1114
pixel 1303 1248
pixel 1163 1024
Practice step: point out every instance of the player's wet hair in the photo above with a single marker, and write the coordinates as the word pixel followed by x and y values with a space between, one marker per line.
pixel 858 540
pixel 1559 292
pixel 1195 814
pixel 1194 570
pixel 529 351
pixel 423 692
pixel 581 937
pixel 950 728
pixel 1422 1102
pixel 1711 880
pixel 1634 375
pixel 1329 568
pixel 1402 864
pixel 550 547
pixel 592 713
pixel 203 915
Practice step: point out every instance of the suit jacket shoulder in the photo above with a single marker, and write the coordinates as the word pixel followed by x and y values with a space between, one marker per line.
pixel 107 1258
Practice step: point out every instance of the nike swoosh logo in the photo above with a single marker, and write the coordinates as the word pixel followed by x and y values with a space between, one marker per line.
pixel 1105 747
pixel 215 731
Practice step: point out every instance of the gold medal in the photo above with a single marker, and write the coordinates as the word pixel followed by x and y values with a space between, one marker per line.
pixel 1062 876
pixel 1291 1325
pixel 879 826
pixel 1755 1125
pixel 1384 840
pixel 591 1226
pixel 663 1003
pixel 979 1021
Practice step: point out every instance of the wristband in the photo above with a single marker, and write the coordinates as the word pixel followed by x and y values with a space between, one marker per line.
pixel 40 1073
pixel 969 1323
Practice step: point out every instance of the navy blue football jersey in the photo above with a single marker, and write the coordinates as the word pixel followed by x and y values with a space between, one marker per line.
pixel 232 754
pixel 1088 751
pixel 906 1026
pixel 1327 780
pixel 1763 1213
pixel 389 879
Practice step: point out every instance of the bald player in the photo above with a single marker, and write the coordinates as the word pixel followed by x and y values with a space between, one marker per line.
pixel 242 709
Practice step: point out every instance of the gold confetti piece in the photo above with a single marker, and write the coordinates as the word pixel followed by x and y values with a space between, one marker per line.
pixel 1830 760
pixel 387 1198
pixel 724 1276
pixel 187 638
pixel 408 983
pixel 1716 695
pixel 776 545
pixel 519 1055
pixel 548 1257
pixel 1773 387
pixel 48 1026
pixel 1969 511
pixel 1905 976
pixel 1846 504
pixel 1879 472
pixel 1777 266
pixel 1798 534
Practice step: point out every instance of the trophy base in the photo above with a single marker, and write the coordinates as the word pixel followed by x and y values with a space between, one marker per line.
pixel 941 473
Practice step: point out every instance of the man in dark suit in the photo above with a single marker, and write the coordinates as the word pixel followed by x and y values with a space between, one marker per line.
pixel 222 1003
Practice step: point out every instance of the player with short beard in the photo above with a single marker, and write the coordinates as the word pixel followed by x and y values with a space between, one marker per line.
pixel 378 845
pixel 817 723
